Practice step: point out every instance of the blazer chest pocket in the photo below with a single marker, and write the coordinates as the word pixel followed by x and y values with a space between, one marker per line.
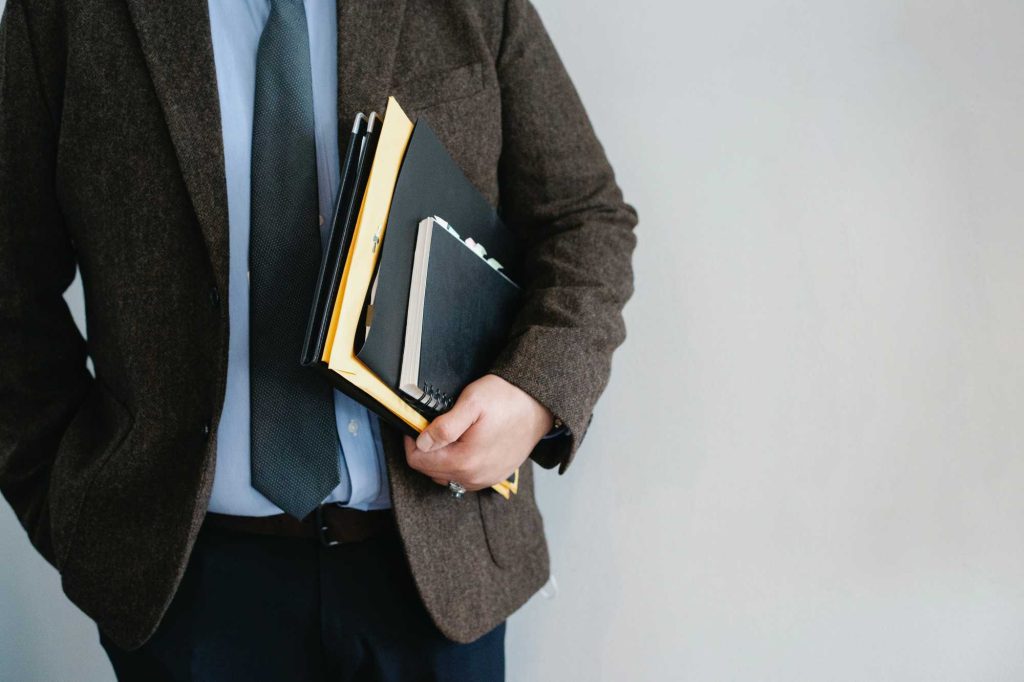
pixel 422 90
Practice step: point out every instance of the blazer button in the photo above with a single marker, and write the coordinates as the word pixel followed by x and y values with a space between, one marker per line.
pixel 214 297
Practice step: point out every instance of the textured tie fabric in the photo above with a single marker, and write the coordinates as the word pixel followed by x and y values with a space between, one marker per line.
pixel 295 445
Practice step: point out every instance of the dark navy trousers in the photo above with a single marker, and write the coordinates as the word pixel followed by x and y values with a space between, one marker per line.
pixel 289 610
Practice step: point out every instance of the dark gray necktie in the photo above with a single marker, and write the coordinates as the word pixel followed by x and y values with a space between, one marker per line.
pixel 295 442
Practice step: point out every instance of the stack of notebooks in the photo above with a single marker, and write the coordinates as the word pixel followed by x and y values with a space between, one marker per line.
pixel 416 289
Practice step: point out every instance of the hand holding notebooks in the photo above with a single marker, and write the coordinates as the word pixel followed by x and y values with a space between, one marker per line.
pixel 393 175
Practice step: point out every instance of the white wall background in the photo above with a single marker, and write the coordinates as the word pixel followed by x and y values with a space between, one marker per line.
pixel 808 463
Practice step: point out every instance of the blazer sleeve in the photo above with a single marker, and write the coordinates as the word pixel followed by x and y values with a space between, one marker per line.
pixel 556 184
pixel 43 377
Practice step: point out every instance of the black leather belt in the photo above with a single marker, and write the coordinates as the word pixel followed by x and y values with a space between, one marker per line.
pixel 330 524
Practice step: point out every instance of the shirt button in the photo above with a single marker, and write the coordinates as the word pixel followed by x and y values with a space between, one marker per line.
pixel 353 427
pixel 206 429
pixel 321 219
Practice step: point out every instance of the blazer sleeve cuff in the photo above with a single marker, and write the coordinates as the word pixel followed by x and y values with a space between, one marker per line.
pixel 556 380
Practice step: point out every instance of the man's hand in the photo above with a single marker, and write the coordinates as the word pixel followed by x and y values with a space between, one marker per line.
pixel 490 431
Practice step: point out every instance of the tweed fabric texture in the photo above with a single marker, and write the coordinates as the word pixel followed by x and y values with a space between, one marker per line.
pixel 295 443
pixel 111 158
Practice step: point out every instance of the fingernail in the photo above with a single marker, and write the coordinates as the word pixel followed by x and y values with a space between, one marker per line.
pixel 425 443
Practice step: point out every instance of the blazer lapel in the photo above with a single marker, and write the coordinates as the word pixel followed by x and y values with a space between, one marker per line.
pixel 176 41
pixel 368 34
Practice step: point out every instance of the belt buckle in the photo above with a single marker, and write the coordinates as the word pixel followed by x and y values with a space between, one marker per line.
pixel 322 528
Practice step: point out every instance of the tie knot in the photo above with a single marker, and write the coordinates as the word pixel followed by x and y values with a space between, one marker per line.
pixel 291 8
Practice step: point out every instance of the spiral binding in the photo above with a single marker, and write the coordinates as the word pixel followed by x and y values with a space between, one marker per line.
pixel 435 399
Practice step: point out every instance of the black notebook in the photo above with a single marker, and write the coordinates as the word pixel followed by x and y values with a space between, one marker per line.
pixel 460 308
pixel 429 183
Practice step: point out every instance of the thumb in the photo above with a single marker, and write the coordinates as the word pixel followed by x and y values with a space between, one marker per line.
pixel 449 426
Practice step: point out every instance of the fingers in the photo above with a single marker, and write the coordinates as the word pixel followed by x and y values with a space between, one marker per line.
pixel 444 483
pixel 448 463
pixel 451 425
pixel 462 457
pixel 468 480
pixel 460 462
pixel 456 462
pixel 442 465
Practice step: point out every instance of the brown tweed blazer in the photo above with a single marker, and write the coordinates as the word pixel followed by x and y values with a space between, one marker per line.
pixel 111 159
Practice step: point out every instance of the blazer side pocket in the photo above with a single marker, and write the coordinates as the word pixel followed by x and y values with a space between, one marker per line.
pixel 95 434
pixel 513 527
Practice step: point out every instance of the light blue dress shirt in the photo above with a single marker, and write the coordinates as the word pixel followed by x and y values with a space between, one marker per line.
pixel 236 26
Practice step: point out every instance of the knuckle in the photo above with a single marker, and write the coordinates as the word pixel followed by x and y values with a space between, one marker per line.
pixel 474 401
pixel 473 407
pixel 415 459
pixel 444 432
pixel 464 470
pixel 468 459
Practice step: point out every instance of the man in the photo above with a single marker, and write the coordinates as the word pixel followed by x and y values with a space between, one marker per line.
pixel 176 152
